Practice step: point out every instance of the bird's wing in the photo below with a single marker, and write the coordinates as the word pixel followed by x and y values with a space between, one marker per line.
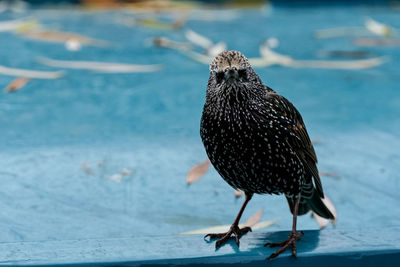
pixel 298 137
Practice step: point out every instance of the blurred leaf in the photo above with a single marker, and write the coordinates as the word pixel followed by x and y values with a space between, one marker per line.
pixel 27 26
pixel 162 25
pixel 211 49
pixel 18 25
pixel 345 65
pixel 165 42
pixel 197 172
pixel 126 171
pixel 16 84
pixel 238 193
pixel 279 59
pixel 378 28
pixel 86 168
pixel 154 23
pixel 216 49
pixel 104 67
pixel 31 73
pixel 371 26
pixel 254 219
pixel 156 6
pixel 198 57
pixel 198 39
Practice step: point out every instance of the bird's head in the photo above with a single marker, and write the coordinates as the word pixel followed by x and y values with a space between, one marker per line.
pixel 230 68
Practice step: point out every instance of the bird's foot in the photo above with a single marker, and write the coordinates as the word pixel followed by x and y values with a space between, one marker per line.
pixel 235 230
pixel 290 242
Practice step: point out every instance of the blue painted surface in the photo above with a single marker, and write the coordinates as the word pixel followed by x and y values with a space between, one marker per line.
pixel 150 123
pixel 327 248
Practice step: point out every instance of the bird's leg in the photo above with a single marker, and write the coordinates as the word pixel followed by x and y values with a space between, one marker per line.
pixel 293 237
pixel 234 228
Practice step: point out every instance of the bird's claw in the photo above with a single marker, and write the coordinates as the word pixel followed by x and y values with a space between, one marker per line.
pixel 235 230
pixel 291 241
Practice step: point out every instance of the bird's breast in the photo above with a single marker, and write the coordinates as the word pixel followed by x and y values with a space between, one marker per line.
pixel 247 154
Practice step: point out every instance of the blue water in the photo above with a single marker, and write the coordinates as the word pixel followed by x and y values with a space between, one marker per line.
pixel 150 123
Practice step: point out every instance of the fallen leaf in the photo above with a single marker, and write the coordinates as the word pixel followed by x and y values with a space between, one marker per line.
pixel 370 26
pixel 31 73
pixel 126 171
pixel 16 84
pixel 104 67
pixel 197 172
pixel 204 59
pixel 254 219
pixel 273 57
pixel 154 23
pixel 322 222
pixel 165 42
pixel 378 28
pixel 179 22
pixel 156 6
pixel 86 168
pixel 198 39
pixel 211 49
pixel 344 65
pixel 17 25
pixel 214 50
pixel 238 193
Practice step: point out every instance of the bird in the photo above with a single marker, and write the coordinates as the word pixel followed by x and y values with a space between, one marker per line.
pixel 258 143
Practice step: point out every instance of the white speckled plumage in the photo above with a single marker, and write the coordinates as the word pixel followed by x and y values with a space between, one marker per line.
pixel 255 138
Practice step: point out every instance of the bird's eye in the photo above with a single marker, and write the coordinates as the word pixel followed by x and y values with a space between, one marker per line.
pixel 220 76
pixel 242 74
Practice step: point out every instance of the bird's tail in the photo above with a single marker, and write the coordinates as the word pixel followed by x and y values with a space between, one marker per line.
pixel 311 201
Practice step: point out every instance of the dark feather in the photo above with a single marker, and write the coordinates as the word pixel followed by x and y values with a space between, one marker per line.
pixel 298 137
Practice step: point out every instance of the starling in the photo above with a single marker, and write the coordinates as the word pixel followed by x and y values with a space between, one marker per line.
pixel 257 141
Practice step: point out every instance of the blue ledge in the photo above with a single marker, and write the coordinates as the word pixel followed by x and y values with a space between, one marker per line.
pixel 328 248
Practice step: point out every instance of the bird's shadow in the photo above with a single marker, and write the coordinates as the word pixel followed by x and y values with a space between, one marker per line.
pixel 253 243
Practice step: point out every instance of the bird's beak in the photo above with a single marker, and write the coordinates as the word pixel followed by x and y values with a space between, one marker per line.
pixel 231 74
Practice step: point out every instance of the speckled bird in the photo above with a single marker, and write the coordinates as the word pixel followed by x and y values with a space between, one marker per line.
pixel 257 141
